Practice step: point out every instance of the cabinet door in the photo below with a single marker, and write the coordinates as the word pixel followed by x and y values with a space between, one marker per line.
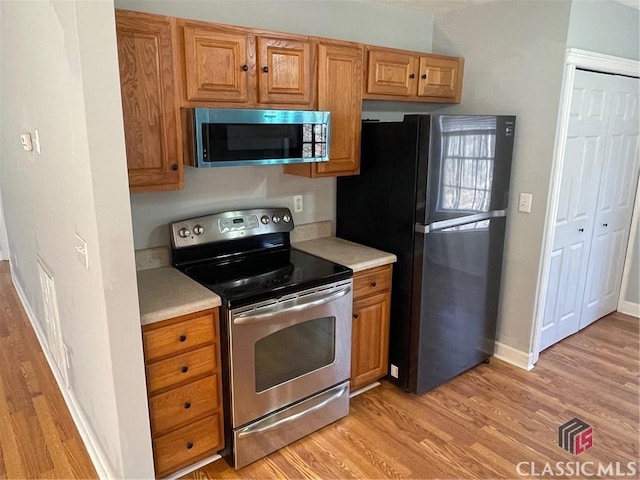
pixel 391 72
pixel 218 65
pixel 145 55
pixel 440 77
pixel 370 339
pixel 285 70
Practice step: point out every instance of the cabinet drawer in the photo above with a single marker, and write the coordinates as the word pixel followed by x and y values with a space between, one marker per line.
pixel 371 281
pixel 181 368
pixel 188 445
pixel 180 405
pixel 179 336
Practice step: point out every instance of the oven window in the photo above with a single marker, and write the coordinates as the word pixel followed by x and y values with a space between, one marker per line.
pixel 227 142
pixel 294 351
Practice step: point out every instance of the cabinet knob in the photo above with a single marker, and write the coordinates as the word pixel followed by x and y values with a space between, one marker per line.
pixel 413 75
pixel 182 338
pixel 189 445
pixel 174 167
pixel 605 224
pixel 245 67
pixel 184 369
pixel 423 76
pixel 355 315
pixel 265 69
pixel 373 284
pixel 187 405
pixel 581 230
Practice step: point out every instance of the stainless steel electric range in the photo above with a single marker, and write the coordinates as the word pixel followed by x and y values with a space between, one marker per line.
pixel 285 324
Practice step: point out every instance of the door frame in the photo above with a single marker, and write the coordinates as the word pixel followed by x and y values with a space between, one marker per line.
pixel 574 59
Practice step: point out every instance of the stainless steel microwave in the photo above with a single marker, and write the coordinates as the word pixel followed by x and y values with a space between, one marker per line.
pixel 228 137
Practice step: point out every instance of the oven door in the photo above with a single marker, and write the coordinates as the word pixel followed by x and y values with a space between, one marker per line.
pixel 285 350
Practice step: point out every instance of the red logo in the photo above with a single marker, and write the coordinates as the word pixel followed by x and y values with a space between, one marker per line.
pixel 575 436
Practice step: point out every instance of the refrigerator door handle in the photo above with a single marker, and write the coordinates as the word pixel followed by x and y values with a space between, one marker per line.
pixel 456 222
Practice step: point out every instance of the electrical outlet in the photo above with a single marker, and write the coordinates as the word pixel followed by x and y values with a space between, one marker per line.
pixel 394 371
pixel 298 204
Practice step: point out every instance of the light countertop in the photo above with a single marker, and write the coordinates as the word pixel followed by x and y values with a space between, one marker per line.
pixel 356 257
pixel 165 293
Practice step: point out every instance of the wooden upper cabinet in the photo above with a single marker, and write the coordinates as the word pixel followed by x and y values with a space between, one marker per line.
pixel 219 65
pixel 391 73
pixel 412 76
pixel 236 67
pixel 145 55
pixel 339 92
pixel 440 77
pixel 285 71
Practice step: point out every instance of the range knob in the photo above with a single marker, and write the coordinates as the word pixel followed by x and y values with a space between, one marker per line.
pixel 184 232
pixel 276 219
pixel 198 229
pixel 264 219
pixel 286 218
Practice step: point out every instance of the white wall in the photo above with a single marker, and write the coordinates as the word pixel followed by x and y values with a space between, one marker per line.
pixel 59 74
pixel 605 26
pixel 514 55
pixel 210 190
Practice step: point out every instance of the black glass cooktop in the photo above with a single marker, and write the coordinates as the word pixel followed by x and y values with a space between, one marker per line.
pixel 263 275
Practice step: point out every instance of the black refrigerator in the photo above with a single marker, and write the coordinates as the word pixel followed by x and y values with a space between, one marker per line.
pixel 433 190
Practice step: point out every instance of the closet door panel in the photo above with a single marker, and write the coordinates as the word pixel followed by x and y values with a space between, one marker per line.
pixel 577 206
pixel 616 197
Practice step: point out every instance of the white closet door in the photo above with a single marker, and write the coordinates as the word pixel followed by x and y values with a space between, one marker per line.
pixel 615 202
pixel 577 206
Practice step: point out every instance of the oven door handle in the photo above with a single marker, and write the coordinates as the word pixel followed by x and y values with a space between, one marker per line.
pixel 290 415
pixel 293 305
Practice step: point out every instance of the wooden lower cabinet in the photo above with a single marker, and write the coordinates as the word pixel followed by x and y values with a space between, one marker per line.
pixel 370 329
pixel 182 358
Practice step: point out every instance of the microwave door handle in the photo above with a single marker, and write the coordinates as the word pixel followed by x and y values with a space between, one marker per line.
pixel 296 304
pixel 286 416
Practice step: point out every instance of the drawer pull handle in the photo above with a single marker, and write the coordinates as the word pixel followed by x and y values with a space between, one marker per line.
pixel 424 76
pixel 187 405
pixel 355 315
pixel 373 284
pixel 189 445
pixel 184 369
pixel 413 75
pixel 265 69
pixel 245 68
pixel 182 338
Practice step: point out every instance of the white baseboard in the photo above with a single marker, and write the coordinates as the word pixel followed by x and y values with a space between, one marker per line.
pixel 98 457
pixel 629 308
pixel 514 357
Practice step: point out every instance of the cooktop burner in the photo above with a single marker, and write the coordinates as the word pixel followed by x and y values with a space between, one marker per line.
pixel 260 276
pixel 245 256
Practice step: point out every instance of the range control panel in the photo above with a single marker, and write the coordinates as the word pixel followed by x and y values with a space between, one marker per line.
pixel 229 226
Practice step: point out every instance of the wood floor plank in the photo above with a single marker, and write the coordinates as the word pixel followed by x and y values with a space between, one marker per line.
pixel 36 427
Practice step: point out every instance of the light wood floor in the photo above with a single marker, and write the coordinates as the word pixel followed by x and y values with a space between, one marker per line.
pixel 480 425
pixel 38 438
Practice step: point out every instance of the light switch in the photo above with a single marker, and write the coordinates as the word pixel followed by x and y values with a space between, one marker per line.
pixel 81 251
pixel 524 205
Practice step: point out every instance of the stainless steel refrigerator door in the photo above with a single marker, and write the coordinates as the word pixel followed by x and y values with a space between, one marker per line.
pixel 468 167
pixel 455 295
